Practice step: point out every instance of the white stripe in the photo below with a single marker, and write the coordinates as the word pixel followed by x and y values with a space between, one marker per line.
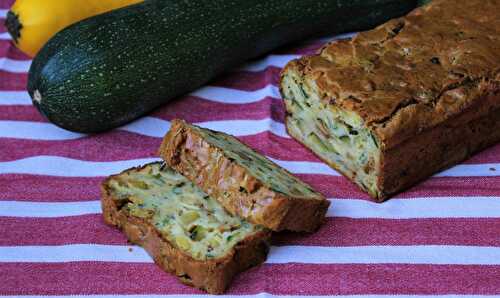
pixel 74 253
pixel 48 209
pixel 271 60
pixel 442 207
pixel 471 170
pixel 35 131
pixel 155 127
pixel 16 66
pixel 411 254
pixel 67 167
pixel 258 295
pixel 439 207
pixel 5 36
pixel 388 254
pixel 3 13
pixel 235 96
pixel 247 127
pixel 306 167
pixel 147 126
pixel 15 98
pixel 62 166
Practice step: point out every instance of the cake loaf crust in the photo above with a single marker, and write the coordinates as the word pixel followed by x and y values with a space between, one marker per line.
pixel 186 150
pixel 415 95
pixel 212 275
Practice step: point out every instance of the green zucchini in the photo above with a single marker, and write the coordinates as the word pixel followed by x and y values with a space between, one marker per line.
pixel 110 69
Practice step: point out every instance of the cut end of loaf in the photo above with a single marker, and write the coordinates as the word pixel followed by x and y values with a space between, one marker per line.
pixel 337 136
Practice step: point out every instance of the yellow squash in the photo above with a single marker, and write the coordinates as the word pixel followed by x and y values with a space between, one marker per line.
pixel 31 23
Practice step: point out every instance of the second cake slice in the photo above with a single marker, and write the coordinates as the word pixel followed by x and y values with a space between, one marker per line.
pixel 246 183
pixel 185 231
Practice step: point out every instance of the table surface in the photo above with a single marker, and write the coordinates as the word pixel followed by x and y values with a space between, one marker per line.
pixel 440 237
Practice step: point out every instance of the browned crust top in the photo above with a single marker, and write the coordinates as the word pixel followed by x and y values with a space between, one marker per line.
pixel 412 73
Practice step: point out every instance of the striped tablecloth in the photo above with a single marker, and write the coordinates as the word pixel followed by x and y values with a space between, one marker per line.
pixel 440 237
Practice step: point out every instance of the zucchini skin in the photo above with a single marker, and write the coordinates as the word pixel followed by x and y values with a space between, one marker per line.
pixel 110 69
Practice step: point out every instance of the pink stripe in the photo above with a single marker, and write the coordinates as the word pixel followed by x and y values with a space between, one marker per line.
pixel 190 108
pixel 120 145
pixel 59 231
pixel 20 112
pixel 455 186
pixel 6 4
pixel 292 279
pixel 7 49
pixel 48 189
pixel 360 232
pixel 340 187
pixel 277 147
pixel 248 80
pixel 194 109
pixel 61 189
pixel 490 155
pixel 13 81
pixel 240 80
pixel 347 231
pixel 110 146
pixel 284 279
pixel 88 278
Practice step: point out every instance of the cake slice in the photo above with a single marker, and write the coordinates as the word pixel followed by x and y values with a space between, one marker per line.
pixel 187 232
pixel 246 183
pixel 400 102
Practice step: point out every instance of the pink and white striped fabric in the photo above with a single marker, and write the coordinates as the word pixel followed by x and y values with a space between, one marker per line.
pixel 442 237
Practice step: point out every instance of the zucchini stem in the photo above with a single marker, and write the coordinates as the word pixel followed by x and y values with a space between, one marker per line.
pixel 13 25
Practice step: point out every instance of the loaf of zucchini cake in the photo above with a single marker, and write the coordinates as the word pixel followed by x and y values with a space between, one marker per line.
pixel 398 103
pixel 246 183
pixel 187 232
